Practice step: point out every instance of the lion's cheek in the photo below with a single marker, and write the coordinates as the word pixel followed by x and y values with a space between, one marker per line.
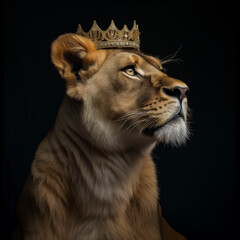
pixel 121 105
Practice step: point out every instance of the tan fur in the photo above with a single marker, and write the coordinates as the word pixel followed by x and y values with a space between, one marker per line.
pixel 93 177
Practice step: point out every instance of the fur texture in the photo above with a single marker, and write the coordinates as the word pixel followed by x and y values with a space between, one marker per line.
pixel 93 177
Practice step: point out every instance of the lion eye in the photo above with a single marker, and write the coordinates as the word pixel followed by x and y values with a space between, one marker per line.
pixel 130 71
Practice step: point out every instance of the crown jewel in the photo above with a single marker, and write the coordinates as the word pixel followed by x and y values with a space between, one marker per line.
pixel 112 37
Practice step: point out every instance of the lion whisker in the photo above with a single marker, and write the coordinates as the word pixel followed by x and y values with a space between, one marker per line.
pixel 134 125
pixel 149 123
pixel 171 57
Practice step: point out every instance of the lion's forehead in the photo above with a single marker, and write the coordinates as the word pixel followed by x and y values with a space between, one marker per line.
pixel 144 62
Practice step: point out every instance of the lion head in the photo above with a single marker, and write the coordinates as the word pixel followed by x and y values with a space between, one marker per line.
pixel 125 96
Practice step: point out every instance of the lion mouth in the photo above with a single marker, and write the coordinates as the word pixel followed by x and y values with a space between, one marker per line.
pixel 150 131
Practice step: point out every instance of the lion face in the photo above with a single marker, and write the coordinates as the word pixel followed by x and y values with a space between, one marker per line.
pixel 125 95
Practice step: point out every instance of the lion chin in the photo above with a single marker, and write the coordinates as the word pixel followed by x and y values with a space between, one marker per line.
pixel 174 132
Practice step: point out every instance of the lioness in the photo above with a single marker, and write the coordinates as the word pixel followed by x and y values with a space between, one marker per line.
pixel 93 177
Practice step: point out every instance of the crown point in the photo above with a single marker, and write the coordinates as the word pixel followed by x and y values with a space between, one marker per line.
pixel 80 30
pixel 134 25
pixel 95 24
pixel 112 25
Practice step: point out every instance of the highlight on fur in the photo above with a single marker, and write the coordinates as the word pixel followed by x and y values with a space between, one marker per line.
pixel 93 177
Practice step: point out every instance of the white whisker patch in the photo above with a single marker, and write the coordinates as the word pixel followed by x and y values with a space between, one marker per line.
pixel 175 132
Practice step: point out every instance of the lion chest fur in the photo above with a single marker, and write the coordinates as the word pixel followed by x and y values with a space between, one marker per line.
pixel 79 191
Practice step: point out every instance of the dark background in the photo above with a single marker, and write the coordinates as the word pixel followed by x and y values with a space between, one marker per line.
pixel 198 181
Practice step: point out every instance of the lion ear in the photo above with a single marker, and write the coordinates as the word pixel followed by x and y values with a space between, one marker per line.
pixel 69 55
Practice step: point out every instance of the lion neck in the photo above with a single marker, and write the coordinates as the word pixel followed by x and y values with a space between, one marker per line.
pixel 110 175
pixel 99 133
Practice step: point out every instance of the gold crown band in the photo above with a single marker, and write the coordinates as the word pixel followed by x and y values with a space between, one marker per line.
pixel 112 37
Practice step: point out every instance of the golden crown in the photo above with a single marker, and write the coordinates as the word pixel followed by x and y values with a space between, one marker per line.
pixel 112 37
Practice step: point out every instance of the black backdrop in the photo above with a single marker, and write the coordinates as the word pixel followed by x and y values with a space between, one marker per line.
pixel 197 181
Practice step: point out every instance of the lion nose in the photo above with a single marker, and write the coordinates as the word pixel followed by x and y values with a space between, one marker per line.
pixel 178 92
